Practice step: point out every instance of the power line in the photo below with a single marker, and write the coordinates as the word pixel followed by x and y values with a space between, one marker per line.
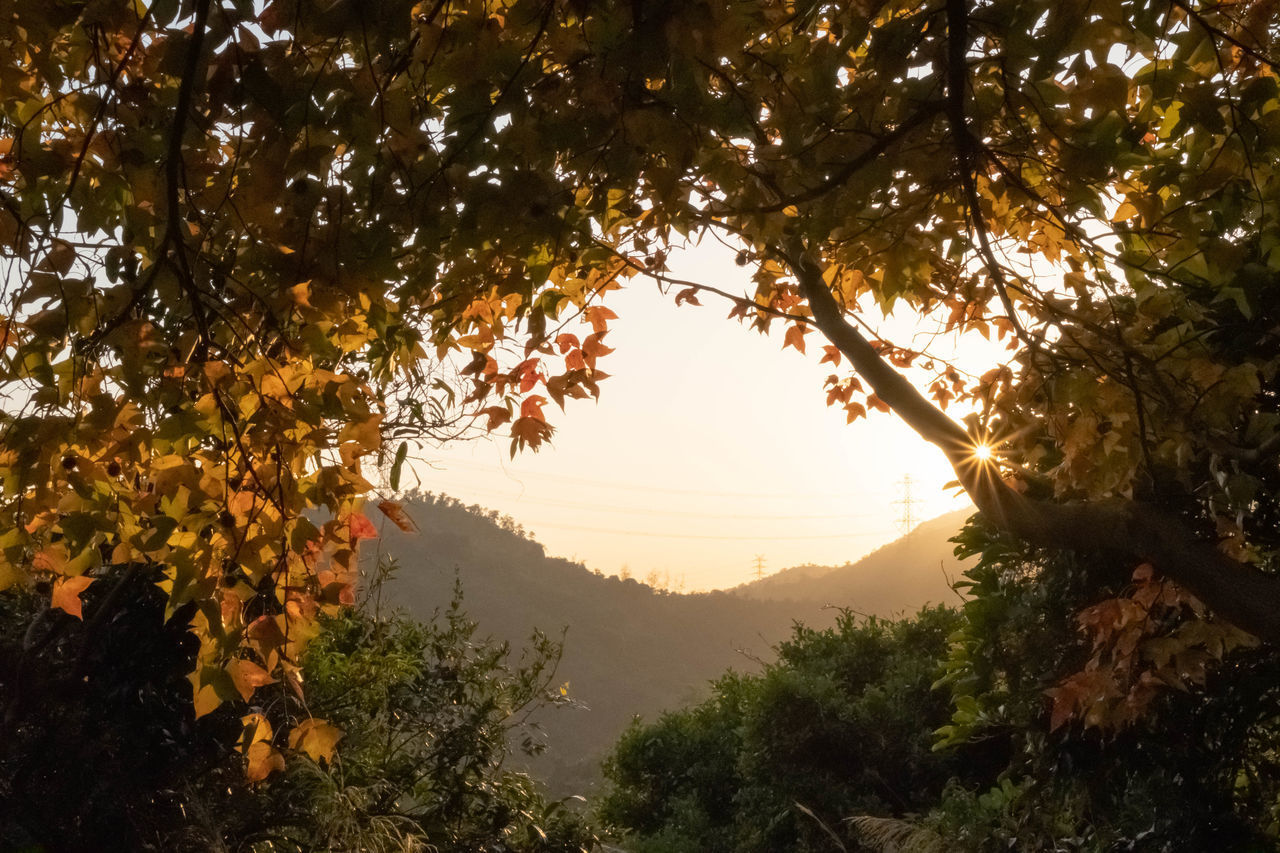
pixel 444 464
pixel 634 510
pixel 736 538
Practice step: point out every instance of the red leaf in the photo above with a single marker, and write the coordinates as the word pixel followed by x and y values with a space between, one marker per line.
pixel 532 407
pixel 361 527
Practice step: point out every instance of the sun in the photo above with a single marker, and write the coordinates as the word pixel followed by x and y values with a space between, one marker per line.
pixel 983 452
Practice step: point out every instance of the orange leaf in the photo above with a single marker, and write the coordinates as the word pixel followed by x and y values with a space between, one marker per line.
pixel 794 338
pixel 594 347
pixel 66 595
pixel 248 677
pixel 529 431
pixel 597 316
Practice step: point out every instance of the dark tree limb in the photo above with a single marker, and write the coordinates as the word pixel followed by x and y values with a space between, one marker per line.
pixel 1124 529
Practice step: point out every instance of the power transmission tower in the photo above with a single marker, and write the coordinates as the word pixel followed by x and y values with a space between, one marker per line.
pixel 759 566
pixel 907 520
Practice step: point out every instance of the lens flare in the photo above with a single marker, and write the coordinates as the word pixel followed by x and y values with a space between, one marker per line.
pixel 983 452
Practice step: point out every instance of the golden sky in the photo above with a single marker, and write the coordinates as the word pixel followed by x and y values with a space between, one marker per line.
pixel 709 445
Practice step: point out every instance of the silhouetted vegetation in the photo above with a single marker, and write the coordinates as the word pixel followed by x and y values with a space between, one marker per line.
pixel 830 747
pixel 102 750
pixel 841 723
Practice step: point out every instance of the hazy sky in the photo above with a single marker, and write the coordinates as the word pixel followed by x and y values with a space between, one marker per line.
pixel 710 445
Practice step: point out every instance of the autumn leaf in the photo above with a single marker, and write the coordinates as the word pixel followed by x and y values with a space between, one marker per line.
pixel 398 515
pixel 497 416
pixel 532 407
pixel 316 738
pixel 795 337
pixel 66 594
pixel 361 527
pixel 262 759
pixel 248 677
pixel 598 316
pixel 689 294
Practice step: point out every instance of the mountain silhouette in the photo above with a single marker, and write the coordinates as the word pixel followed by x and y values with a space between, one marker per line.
pixel 897 579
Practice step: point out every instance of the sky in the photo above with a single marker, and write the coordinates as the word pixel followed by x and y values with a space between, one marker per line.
pixel 710 447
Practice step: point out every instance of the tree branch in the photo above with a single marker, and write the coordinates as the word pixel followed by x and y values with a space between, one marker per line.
pixel 1236 591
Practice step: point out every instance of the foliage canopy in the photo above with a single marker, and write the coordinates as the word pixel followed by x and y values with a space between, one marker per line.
pixel 103 751
pixel 830 748
pixel 242 239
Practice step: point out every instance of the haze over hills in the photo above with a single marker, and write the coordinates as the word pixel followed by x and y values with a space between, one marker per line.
pixel 896 579
pixel 630 649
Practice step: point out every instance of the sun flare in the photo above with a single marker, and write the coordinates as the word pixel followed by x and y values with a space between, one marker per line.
pixel 983 452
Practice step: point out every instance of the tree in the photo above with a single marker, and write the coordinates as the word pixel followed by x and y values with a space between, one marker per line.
pixel 240 239
pixel 430 713
pixel 1195 769
pixel 841 724
pixel 839 743
pixel 104 751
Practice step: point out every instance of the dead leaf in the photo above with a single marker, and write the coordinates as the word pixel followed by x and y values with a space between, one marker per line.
pixel 398 515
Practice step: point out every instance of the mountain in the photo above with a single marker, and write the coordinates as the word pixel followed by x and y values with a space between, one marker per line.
pixel 897 579
pixel 628 649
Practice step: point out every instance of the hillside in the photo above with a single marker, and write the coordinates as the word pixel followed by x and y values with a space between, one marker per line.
pixel 629 649
pixel 897 579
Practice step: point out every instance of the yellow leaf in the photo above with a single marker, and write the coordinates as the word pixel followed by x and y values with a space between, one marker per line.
pixel 316 738
pixel 256 728
pixel 264 759
pixel 206 700
pixel 1124 212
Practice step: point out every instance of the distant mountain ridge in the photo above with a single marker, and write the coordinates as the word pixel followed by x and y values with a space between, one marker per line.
pixel 898 578
pixel 629 649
